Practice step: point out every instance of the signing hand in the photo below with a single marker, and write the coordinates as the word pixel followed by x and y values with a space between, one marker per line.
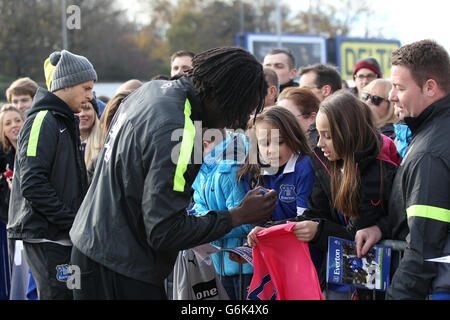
pixel 256 207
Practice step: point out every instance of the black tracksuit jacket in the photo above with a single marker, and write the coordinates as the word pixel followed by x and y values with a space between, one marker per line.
pixel 49 173
pixel 420 206
pixel 133 219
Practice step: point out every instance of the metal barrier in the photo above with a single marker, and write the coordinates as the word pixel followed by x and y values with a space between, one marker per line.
pixel 242 240
pixel 398 248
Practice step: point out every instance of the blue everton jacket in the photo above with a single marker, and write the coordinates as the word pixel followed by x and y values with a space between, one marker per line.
pixel 216 188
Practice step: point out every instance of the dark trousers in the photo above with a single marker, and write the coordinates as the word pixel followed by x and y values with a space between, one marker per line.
pixel 100 283
pixel 233 283
pixel 48 263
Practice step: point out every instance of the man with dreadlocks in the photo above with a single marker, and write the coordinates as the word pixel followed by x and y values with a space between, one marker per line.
pixel 133 220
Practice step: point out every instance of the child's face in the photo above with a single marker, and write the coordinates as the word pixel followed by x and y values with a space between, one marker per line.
pixel 272 146
pixel 208 145
pixel 22 102
pixel 325 142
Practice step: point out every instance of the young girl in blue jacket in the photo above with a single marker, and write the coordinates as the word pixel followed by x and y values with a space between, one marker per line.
pixel 216 188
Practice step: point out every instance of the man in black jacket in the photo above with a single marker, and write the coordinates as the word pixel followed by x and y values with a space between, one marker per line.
pixel 282 61
pixel 133 221
pixel 50 177
pixel 420 200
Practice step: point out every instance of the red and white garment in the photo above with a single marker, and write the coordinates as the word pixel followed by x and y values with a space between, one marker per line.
pixel 283 269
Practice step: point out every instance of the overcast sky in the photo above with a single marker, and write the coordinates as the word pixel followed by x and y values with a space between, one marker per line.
pixel 404 20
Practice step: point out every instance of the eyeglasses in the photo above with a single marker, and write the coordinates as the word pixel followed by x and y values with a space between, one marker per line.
pixel 310 88
pixel 369 76
pixel 376 100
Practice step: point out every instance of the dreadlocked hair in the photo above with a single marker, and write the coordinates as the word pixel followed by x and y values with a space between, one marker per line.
pixel 234 79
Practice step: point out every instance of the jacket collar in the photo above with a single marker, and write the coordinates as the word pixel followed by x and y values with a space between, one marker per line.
pixel 45 100
pixel 363 157
pixel 291 83
pixel 194 100
pixel 289 168
pixel 434 110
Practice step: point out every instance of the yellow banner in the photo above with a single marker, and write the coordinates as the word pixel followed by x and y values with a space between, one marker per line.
pixel 352 51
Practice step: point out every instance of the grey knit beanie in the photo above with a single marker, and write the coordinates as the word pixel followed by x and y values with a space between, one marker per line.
pixel 70 70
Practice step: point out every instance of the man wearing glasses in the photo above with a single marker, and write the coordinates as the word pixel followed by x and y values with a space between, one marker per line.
pixel 365 71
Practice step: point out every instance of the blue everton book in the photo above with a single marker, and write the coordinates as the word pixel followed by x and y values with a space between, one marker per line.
pixel 344 267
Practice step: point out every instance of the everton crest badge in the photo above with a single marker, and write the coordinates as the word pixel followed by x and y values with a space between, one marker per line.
pixel 62 272
pixel 287 193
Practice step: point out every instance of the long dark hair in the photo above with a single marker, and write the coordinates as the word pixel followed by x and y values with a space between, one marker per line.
pixel 352 129
pixel 234 79
pixel 290 130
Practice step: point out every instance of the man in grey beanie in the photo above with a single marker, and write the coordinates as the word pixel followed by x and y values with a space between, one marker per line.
pixel 50 179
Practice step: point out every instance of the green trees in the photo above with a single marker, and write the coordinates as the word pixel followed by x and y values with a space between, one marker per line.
pixel 31 29
pixel 121 47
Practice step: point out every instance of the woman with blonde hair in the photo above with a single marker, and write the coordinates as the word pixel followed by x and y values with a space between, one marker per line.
pixel 98 136
pixel 376 94
pixel 11 121
pixel 89 129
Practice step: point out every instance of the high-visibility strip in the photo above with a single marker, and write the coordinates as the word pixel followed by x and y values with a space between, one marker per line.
pixel 187 145
pixel 429 212
pixel 34 135
pixel 48 70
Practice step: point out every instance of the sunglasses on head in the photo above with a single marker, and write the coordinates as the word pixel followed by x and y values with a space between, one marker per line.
pixel 376 100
